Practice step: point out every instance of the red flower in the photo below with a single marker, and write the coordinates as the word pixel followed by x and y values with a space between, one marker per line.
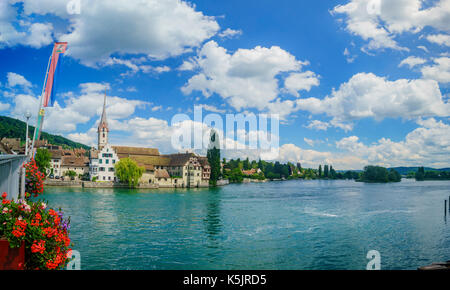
pixel 38 247
pixel 4 195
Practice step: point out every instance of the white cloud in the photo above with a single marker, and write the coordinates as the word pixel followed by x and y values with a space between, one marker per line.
pixel 412 61
pixel 366 95
pixel 77 109
pixel 213 109
pixel 428 145
pixel 245 79
pixel 159 29
pixel 17 80
pixel 441 39
pixel 40 35
pixel 440 71
pixel 188 65
pixel 379 22
pixel 83 138
pixel 318 125
pixel 14 32
pixel 230 33
pixel 301 81
pixel 4 106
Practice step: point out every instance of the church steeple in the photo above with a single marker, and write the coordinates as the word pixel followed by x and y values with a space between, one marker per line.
pixel 103 128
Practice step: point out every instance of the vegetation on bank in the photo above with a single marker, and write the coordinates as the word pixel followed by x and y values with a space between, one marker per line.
pixel 13 128
pixel 422 174
pixel 128 171
pixel 232 170
pixel 378 174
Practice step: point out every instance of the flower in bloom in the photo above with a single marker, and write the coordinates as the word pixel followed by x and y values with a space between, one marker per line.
pixel 4 195
pixel 38 247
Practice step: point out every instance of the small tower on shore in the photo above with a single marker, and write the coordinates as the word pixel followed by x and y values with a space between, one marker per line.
pixel 103 129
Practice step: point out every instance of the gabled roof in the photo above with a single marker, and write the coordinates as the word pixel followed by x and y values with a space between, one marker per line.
pixel 161 173
pixel 125 151
pixel 56 154
pixel 179 159
pixel 204 161
pixel 75 161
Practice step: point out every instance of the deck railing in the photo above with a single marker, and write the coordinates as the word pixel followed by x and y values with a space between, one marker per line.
pixel 12 175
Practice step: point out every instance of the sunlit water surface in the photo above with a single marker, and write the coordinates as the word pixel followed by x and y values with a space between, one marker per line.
pixel 275 225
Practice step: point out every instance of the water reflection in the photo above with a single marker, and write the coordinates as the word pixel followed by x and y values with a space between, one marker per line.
pixel 212 220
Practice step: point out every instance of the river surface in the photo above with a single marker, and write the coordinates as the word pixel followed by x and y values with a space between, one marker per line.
pixel 276 225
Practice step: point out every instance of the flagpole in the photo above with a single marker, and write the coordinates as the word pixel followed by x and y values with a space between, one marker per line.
pixel 40 104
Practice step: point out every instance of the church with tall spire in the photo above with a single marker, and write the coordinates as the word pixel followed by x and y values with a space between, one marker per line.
pixel 173 170
pixel 103 129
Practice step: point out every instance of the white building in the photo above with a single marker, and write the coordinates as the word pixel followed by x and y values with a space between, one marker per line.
pixel 107 159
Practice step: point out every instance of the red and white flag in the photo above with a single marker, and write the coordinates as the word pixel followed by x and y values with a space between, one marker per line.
pixel 60 47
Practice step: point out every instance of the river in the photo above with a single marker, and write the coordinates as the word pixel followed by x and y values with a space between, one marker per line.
pixel 315 224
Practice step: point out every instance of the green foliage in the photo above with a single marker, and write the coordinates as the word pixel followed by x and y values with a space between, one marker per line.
pixel 13 128
pixel 128 171
pixel 213 155
pixel 235 176
pixel 379 174
pixel 421 174
pixel 71 174
pixel 394 176
pixel 42 159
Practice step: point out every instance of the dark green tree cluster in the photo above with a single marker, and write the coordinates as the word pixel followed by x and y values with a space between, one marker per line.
pixel 378 174
pixel 213 156
pixel 421 174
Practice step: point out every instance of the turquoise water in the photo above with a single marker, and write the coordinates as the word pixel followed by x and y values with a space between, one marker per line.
pixel 276 225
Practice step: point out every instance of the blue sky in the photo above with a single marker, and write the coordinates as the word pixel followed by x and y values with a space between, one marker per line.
pixel 355 82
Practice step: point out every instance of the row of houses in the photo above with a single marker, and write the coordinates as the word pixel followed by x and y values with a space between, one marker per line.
pixel 173 170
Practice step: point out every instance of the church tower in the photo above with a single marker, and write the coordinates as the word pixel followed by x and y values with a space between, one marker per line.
pixel 103 129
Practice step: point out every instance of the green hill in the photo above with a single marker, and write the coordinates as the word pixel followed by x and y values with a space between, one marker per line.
pixel 13 128
pixel 406 170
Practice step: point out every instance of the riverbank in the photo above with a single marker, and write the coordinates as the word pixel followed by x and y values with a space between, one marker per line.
pixel 91 184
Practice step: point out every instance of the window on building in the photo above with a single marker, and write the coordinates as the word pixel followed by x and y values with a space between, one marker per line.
pixel 107 161
pixel 114 161
pixel 100 161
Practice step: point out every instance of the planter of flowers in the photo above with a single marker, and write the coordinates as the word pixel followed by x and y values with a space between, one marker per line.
pixel 34 236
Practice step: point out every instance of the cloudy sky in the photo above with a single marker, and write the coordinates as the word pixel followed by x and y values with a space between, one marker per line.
pixel 355 82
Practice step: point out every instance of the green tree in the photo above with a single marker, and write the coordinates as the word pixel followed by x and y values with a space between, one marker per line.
pixel 42 159
pixel 71 174
pixel 246 164
pixel 420 175
pixel 128 171
pixel 394 176
pixel 325 171
pixel 333 173
pixel 213 155
pixel 320 171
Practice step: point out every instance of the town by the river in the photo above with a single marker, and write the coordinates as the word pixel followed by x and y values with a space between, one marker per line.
pixel 316 224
